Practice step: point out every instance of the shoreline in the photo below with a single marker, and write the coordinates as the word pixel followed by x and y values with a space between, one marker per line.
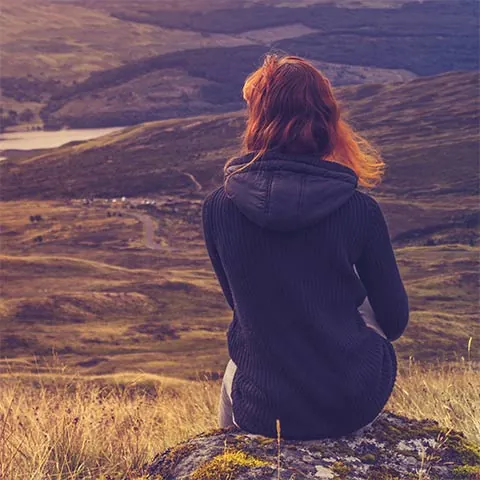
pixel 21 129
pixel 32 140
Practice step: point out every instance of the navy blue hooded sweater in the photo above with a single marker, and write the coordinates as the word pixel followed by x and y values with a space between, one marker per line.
pixel 283 237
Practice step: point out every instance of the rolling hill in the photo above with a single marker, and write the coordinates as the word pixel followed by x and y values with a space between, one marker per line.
pixel 47 45
pixel 121 63
pixel 80 40
pixel 95 290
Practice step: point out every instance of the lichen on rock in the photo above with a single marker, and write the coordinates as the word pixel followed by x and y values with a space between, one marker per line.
pixel 393 448
pixel 228 464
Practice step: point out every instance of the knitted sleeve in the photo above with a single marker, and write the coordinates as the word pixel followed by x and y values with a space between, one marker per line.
pixel 208 230
pixel 378 270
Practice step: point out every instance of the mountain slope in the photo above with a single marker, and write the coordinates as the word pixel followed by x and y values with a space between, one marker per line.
pixel 47 45
pixel 80 40
pixel 381 44
pixel 121 59
pixel 429 125
pixel 192 82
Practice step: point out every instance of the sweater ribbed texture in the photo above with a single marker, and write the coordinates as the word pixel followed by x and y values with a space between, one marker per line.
pixel 303 353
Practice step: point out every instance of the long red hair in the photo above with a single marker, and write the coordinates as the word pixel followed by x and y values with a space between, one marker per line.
pixel 292 109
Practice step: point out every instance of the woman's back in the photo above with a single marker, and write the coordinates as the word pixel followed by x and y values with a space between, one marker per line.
pixel 304 354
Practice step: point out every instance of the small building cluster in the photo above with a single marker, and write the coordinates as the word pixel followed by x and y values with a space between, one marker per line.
pixel 122 201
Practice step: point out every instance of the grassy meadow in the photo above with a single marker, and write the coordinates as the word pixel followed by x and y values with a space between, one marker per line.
pixel 59 425
pixel 94 293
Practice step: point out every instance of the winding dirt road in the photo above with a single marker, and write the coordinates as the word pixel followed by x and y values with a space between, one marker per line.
pixel 149 229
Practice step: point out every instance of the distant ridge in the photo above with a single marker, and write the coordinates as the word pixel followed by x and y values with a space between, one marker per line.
pixel 423 39
pixel 116 63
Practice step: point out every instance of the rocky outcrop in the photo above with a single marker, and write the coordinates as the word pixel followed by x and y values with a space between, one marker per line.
pixel 393 448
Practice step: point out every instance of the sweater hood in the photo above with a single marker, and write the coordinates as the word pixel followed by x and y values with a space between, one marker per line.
pixel 286 192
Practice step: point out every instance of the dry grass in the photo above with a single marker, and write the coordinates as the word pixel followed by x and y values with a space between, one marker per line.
pixel 71 428
pixel 68 427
pixel 447 393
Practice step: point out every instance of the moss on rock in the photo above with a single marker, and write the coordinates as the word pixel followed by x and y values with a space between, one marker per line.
pixel 227 465
pixel 470 454
pixel 341 470
pixel 170 459
pixel 467 472
pixel 369 458
pixel 392 433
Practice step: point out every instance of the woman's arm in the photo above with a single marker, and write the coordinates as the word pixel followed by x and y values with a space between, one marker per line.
pixel 378 270
pixel 213 252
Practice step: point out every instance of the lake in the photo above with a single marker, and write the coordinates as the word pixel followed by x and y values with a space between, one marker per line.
pixel 36 140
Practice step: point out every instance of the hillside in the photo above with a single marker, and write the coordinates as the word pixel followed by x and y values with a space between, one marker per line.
pixel 363 45
pixel 80 40
pixel 121 63
pixel 428 124
pixel 47 45
pixel 87 280
pixel 181 84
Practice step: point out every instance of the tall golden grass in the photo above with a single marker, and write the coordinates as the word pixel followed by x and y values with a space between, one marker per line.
pixel 62 426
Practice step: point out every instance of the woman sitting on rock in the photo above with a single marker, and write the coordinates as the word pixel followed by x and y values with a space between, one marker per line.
pixel 303 257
